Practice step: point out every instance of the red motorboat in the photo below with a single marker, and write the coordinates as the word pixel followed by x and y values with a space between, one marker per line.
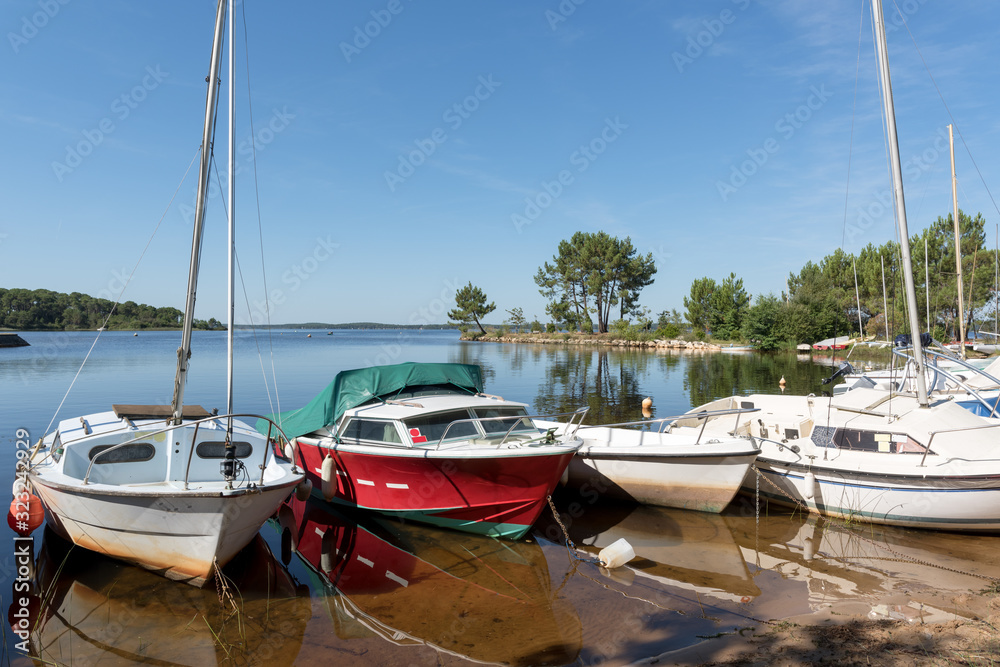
pixel 422 442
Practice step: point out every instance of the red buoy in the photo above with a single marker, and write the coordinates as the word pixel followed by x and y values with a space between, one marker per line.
pixel 26 513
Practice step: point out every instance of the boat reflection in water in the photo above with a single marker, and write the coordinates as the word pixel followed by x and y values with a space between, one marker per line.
pixel 417 586
pixel 98 610
pixel 833 567
pixel 692 551
pixel 721 573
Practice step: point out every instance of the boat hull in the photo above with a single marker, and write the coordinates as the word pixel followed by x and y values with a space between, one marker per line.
pixel 706 483
pixel 969 503
pixel 180 535
pixel 499 493
pixel 659 468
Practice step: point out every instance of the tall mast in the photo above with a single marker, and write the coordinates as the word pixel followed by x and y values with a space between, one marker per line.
pixel 958 244
pixel 231 303
pixel 184 351
pixel 897 183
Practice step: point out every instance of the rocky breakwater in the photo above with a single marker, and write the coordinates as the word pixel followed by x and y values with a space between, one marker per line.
pixel 570 339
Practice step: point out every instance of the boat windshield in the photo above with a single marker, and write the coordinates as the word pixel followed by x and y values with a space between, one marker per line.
pixel 430 428
pixel 500 426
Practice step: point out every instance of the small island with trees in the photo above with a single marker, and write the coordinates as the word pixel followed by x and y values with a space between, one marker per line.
pixel 596 279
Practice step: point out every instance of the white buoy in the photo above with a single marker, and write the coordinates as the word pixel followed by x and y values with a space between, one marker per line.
pixel 303 490
pixel 647 403
pixel 328 473
pixel 616 554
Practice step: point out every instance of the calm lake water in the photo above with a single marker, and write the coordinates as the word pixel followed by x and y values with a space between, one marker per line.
pixel 379 592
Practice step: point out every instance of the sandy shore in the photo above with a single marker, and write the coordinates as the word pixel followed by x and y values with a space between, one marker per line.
pixel 972 637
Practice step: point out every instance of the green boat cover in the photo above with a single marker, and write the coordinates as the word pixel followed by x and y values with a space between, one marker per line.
pixel 363 385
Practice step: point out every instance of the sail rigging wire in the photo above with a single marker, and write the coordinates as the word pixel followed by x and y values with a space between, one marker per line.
pixel 260 232
pixel 246 296
pixel 239 269
pixel 121 293
pixel 946 108
pixel 854 109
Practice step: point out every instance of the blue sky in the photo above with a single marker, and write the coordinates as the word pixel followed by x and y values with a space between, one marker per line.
pixel 407 148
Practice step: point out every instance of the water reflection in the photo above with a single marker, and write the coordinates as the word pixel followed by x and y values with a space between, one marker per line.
pixel 809 564
pixel 413 586
pixel 610 383
pixel 94 609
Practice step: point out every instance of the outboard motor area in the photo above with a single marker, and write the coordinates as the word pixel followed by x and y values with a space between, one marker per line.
pixel 844 369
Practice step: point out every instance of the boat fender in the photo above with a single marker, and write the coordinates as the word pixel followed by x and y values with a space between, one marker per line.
pixel 809 549
pixel 616 554
pixel 810 484
pixel 292 450
pixel 286 547
pixel 329 475
pixel 303 490
pixel 327 551
pixel 286 519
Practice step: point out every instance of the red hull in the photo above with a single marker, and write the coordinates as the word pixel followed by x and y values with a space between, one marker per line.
pixel 499 495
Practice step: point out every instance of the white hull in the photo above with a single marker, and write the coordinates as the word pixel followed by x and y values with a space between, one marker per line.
pixel 663 469
pixel 917 500
pixel 178 534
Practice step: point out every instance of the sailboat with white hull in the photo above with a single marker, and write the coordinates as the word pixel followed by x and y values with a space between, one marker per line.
pixel 172 488
pixel 891 457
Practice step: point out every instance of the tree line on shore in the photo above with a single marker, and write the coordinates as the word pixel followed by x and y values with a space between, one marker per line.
pixel 42 309
pixel 841 295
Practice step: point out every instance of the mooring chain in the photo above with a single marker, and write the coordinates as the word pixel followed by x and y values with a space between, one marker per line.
pixel 843 523
pixel 570 545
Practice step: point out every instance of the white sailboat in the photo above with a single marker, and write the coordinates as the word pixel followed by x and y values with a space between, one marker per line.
pixel 173 488
pixel 905 459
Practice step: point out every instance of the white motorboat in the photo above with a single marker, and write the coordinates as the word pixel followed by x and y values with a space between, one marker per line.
pixel 649 463
pixel 873 456
pixel 916 459
pixel 172 488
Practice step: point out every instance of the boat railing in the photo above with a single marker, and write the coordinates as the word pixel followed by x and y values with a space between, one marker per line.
pixel 704 416
pixel 575 420
pixel 993 408
pixel 930 440
pixel 194 441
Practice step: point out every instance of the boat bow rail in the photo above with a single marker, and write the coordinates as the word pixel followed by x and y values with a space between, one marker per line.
pixel 938 375
pixel 215 419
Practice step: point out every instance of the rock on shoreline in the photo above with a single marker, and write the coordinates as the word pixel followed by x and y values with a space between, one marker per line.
pixel 570 339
